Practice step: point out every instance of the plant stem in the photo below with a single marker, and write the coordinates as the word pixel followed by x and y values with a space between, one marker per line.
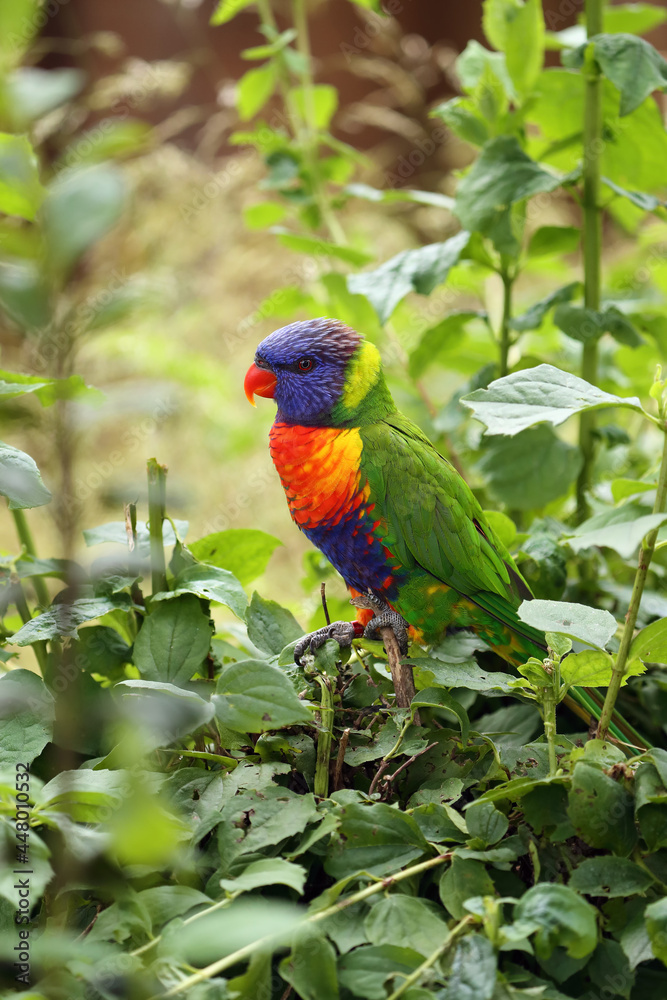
pixel 26 540
pixel 439 952
pixel 505 343
pixel 645 555
pixel 274 940
pixel 321 781
pixel 157 502
pixel 549 706
pixel 310 131
pixel 592 238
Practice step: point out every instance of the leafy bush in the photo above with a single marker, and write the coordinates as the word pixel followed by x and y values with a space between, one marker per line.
pixel 186 811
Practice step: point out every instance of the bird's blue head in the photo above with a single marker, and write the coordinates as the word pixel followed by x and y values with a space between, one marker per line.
pixel 319 372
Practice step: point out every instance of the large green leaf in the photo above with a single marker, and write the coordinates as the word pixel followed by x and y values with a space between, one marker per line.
pixel 254 697
pixel 20 190
pixel 365 970
pixel 245 552
pixel 418 270
pixel 532 318
pixel 24 294
pixel 656 925
pixel 517 29
pixel 538 395
pixel 47 390
pixel 373 838
pixel 211 583
pixel 502 175
pixel 26 717
pixel 588 325
pixel 438 342
pixel 81 206
pixel 173 641
pixel 20 480
pixel 64 619
pixel 474 967
pixel 591 625
pixel 633 18
pixel 464 879
pixel 620 528
pixel 633 66
pixel 406 921
pixel 311 966
pixel 267 871
pixel 270 626
pixel 651 643
pixel 254 89
pixel 601 810
pixel 610 876
pixel 531 469
pixel 560 917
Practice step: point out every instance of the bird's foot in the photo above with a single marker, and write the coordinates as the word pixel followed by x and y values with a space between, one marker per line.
pixel 342 632
pixel 383 616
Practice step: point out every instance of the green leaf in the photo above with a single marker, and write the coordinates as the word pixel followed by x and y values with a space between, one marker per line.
pixel 47 390
pixel 20 479
pixel 245 552
pixel 633 18
pixel 486 822
pixel 164 902
pixel 516 28
pixel 24 295
pixel 19 23
pixel 610 876
pixel 224 931
pixel 406 921
pixel 655 916
pixel 211 583
pixel 271 627
pixel 462 117
pixel 324 99
pixel 26 717
pixel 530 469
pixel 173 641
pixel 317 247
pixel 621 528
pixel 21 193
pixel 80 207
pixel 651 643
pixel 255 697
pixel 228 9
pixel 254 89
pixel 466 674
pixel 601 810
pixel 588 325
pixel 390 195
pixel 646 202
pixel 474 968
pixel 549 240
pixel 437 698
pixel 86 796
pixel 438 341
pixel 532 318
pixel 418 271
pixel 267 871
pixel 263 214
pixel 561 919
pixel 64 619
pixel 32 92
pixel 266 51
pixel 501 176
pixel 311 966
pixel 365 970
pixel 538 395
pixel 578 621
pixel 160 713
pixel 373 838
pixel 633 66
pixel 464 879
pixel 591 668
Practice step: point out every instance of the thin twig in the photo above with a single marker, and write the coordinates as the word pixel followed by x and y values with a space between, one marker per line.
pixel 378 774
pixel 411 760
pixel 340 759
pixel 323 595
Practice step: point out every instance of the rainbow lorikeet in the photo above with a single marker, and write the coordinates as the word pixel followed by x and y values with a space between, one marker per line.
pixel 393 516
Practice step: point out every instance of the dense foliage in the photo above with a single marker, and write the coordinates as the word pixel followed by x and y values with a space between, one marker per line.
pixel 194 815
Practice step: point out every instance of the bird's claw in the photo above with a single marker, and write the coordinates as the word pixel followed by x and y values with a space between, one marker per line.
pixel 342 632
pixel 383 616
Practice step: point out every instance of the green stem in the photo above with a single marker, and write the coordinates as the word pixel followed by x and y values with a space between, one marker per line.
pixel 157 502
pixel 26 540
pixel 549 707
pixel 592 237
pixel 324 736
pixel 310 134
pixel 505 332
pixel 439 953
pixel 645 555
pixel 274 940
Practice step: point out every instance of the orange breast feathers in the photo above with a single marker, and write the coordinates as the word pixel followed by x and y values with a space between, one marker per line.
pixel 319 468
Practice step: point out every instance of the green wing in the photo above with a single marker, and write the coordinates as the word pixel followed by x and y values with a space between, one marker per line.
pixel 433 520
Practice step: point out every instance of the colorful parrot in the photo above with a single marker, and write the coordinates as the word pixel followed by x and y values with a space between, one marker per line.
pixel 393 516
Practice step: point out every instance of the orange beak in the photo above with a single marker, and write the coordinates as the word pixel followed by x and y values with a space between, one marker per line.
pixel 259 382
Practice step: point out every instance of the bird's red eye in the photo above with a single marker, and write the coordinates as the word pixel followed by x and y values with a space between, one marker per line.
pixel 305 364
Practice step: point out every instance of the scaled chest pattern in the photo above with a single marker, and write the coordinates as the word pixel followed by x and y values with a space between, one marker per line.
pixel 329 498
